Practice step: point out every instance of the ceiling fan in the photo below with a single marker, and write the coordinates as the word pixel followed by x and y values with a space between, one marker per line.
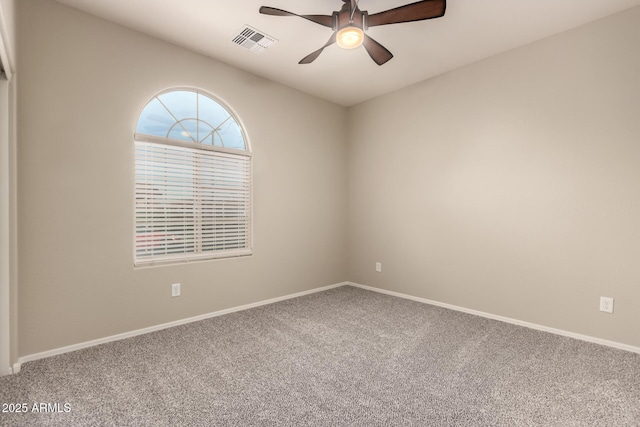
pixel 350 23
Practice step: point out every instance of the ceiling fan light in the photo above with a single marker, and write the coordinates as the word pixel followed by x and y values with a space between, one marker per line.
pixel 350 37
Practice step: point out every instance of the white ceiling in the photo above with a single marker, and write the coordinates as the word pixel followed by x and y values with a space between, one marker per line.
pixel 471 30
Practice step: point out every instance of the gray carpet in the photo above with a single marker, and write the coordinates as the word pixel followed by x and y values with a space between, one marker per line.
pixel 344 357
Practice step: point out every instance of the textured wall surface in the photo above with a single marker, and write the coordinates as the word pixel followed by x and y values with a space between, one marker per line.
pixel 510 186
pixel 83 83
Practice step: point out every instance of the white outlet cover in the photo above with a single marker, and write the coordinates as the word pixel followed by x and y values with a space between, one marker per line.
pixel 175 290
pixel 606 304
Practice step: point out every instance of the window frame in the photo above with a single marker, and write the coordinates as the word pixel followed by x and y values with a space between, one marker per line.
pixel 196 147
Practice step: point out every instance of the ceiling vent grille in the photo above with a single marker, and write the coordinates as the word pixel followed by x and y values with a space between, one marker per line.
pixel 253 40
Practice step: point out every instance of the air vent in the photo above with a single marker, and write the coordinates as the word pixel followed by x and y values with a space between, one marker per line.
pixel 253 40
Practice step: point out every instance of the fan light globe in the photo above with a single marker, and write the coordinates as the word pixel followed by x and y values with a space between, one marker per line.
pixel 350 37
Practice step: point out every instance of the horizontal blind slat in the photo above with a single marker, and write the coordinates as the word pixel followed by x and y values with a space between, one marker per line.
pixel 190 201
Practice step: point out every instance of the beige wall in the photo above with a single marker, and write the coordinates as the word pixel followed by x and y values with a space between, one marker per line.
pixel 510 186
pixel 83 81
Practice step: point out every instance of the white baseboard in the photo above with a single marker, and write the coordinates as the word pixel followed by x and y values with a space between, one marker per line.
pixel 74 347
pixel 17 366
pixel 619 346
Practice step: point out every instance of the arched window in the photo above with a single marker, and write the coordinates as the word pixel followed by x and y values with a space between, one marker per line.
pixel 192 180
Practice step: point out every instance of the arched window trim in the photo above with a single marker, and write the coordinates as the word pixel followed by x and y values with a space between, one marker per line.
pixel 172 141
pixel 203 207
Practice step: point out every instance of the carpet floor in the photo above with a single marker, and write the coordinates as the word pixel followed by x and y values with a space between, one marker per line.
pixel 343 357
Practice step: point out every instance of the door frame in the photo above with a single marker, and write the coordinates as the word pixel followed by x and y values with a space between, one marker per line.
pixel 7 193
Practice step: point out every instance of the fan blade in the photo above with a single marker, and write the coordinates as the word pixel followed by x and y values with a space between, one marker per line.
pixel 312 56
pixel 419 11
pixel 324 20
pixel 376 51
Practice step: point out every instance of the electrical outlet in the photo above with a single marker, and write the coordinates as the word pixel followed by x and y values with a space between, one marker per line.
pixel 606 304
pixel 175 290
pixel 379 267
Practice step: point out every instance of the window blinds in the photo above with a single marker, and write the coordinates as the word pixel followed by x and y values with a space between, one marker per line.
pixel 190 203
